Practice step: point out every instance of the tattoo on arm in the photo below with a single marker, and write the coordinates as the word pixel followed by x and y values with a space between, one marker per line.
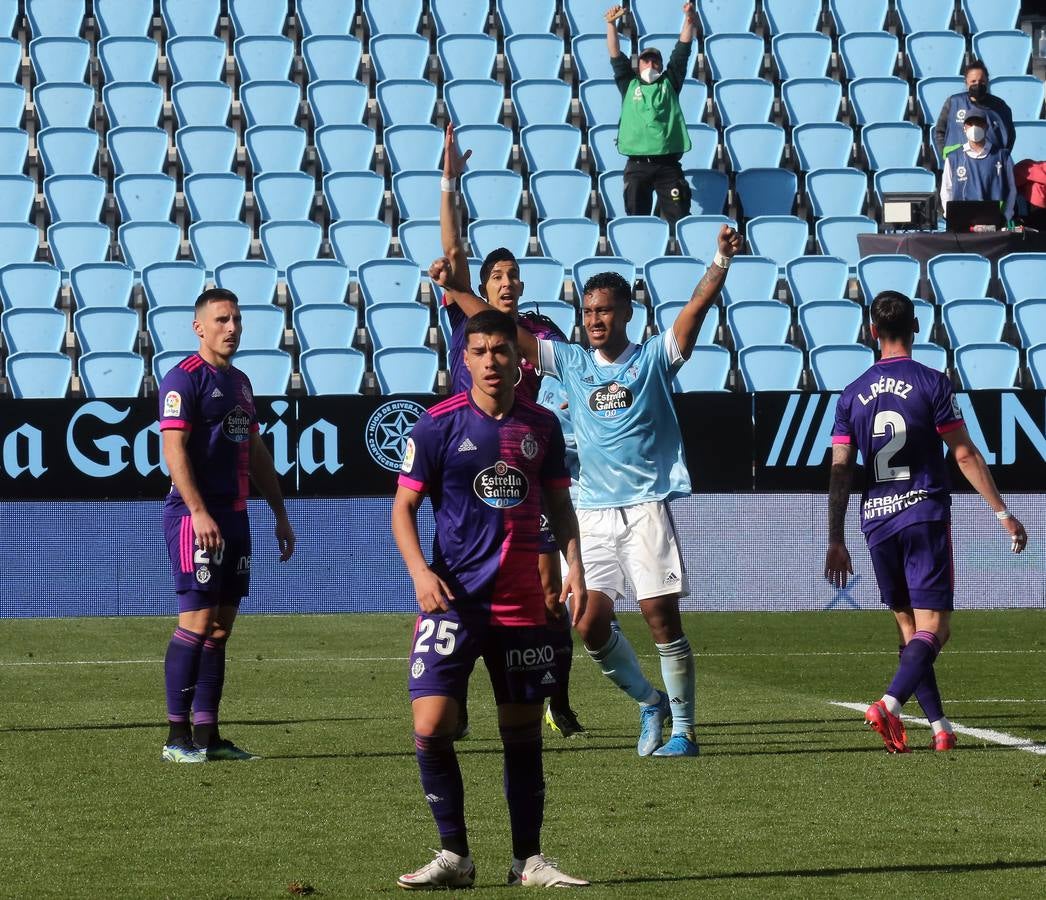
pixel 709 286
pixel 839 490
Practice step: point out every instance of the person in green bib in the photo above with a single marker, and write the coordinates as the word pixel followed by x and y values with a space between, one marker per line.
pixel 652 132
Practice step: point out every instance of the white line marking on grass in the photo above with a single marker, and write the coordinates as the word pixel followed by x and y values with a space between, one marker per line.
pixel 983 734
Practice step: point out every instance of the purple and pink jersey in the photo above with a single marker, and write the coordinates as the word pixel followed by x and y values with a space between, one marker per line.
pixel 895 413
pixel 484 477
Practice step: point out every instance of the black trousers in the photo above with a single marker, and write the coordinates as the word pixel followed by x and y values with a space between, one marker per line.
pixel 647 175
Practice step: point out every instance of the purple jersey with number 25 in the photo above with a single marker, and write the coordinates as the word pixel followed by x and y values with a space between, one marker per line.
pixel 895 413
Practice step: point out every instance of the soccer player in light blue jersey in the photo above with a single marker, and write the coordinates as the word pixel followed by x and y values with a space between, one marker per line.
pixel 632 465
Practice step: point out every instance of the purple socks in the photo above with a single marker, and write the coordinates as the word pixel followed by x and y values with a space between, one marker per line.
pixel 915 667
pixel 209 684
pixel 444 791
pixel 524 787
pixel 928 695
pixel 181 668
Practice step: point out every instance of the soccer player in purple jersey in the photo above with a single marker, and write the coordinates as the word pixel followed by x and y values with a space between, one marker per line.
pixel 896 414
pixel 486 457
pixel 212 447
pixel 501 287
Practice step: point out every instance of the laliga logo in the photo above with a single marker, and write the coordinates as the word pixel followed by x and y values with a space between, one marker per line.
pixel 387 431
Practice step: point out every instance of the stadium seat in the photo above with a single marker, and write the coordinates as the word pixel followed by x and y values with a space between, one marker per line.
pixel 1021 276
pixel 534 17
pixel 353 195
pixel 406 370
pixel 172 283
pixel 145 243
pixel 216 243
pixel 665 315
pixel 612 194
pixel 474 101
pixel 586 268
pixel 123 18
pixel 205 149
pixel 18 195
pixel 733 55
pixel 71 243
pixel 878 100
pixel 749 278
pixel 1037 365
pixel 931 94
pixel 10 59
pixel 190 17
pixel 822 145
pixel 269 371
pixel 196 58
pixel 892 145
pixel 489 234
pixel 332 57
pixel 834 366
pixel 600 101
pixel 836 192
pixel 163 362
pixel 18 243
pixel 399 56
pixel 128 58
pixel 550 146
pixel 533 55
pixel 837 236
pixel 991 15
pixel 33 330
pixel 562 315
pixel 137 151
pixel 60 103
pixel 421 241
pixel 59 58
pixel 319 281
pixel 543 278
pixel 672 279
pixel 808 100
pixel 325 325
pixel 653 17
pixel 1004 52
pixel 270 102
pixel 925 15
pixel 887 272
pixel 491 145
pixel 955 275
pixel 602 148
pixel 398 18
pixel 925 313
pixel 397 325
pixel 584 16
pixel 417 194
pixel 328 371
pixel 1030 142
pixel 101 284
pixel 560 194
pixel 389 281
pixel 70 198
pixel 969 320
pixel 147 198
pixel 786 16
pixel 725 15
pixel 987 366
pixel 781 238
pixel 201 102
pixel 404 101
pixel 830 322
pixel 707 370
pixel 1022 93
pixel 111 374
pixel 934 54
pixel 262 327
pixel 355 242
pixel 766 192
pixel 704 143
pixel 214 198
pixel 347 148
pixel 637 326
pixel 757 146
pixel 740 101
pixel 466 56
pixel 546 101
pixel 816 278
pixel 758 322
pixel 14 150
pixel 801 55
pixel 693 99
pixel 251 17
pixel 492 194
pixel 267 58
pixel 568 240
pixel 170 328
pixel 770 368
pixel 868 54
pixel 698 235
pixel 39 376
pixel 12 105
pixel 281 148
pixel 29 285
pixel 858 15
pixel 137 104
pixel 285 195
pixel 55 18
pixel 105 328
pixel 253 281
pixel 638 238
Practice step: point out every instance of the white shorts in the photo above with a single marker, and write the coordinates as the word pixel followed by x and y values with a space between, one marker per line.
pixel 632 545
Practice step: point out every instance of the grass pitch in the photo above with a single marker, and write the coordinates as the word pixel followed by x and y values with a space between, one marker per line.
pixel 792 796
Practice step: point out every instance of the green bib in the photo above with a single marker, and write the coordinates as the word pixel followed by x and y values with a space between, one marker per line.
pixel 652 123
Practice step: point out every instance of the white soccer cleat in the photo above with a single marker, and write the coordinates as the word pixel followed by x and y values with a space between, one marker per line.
pixel 539 871
pixel 442 873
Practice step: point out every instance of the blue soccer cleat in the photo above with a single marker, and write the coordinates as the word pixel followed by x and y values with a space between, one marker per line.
pixel 679 745
pixel 651 721
pixel 227 751
pixel 183 751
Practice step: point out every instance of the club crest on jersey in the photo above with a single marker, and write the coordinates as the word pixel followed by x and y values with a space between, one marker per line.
pixel 172 405
pixel 610 400
pixel 529 446
pixel 203 575
pixel 501 486
pixel 418 669
pixel 245 389
pixel 237 425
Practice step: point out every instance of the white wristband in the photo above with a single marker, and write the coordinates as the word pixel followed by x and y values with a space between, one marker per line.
pixel 722 261
pixel 1003 514
pixel 448 185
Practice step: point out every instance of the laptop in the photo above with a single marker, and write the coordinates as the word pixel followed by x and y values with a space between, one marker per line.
pixel 962 215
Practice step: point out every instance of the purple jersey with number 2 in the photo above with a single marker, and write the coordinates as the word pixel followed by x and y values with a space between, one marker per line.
pixel 895 414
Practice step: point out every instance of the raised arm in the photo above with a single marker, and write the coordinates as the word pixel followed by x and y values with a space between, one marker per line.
pixel 449 224
pixel 837 565
pixel 686 33
pixel 613 41
pixel 263 474
pixel 688 323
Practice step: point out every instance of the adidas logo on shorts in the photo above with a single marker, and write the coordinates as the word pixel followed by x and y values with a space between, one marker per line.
pixel 216 394
pixel 671 578
pixel 548 678
pixel 465 446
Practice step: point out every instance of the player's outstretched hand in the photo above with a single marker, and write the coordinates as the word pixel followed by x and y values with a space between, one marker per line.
pixel 730 242
pixel 613 14
pixel 439 271
pixel 1019 537
pixel 688 12
pixel 432 592
pixel 837 565
pixel 454 161
pixel 285 538
pixel 575 591
pixel 208 535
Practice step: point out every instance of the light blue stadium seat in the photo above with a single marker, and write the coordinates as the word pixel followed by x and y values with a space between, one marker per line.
pixel 750 278
pixel 693 99
pixel 61 103
pixel 147 198
pixel 542 278
pixel 568 240
pixel 172 283
pixel 489 234
pixel 328 371
pixel 544 101
pixel 743 100
pixel 1004 52
pixel 18 195
pixel 1021 276
pixel 766 192
pixel 931 93
pixel 105 329
pixel 111 374
pixel 214 197
pixel 354 195
pixel 319 281
pixel 1037 365
pixel 491 145
pixel 399 56
pixel 14 150
pixel 734 55
pixel 123 18
pixel 101 284
pixel 136 104
pixel 267 57
pixel 284 195
pixel 969 320
pixel 756 146
pixel 588 53
pixel 421 241
pixel 638 238
pixel 145 243
pixel 612 194
pixel 534 17
pixel 533 55
pixel 954 275
pixel 593 265
pixel 816 278
pixel 781 238
pixel 18 243
pixel 324 17
pixel 602 148
pixel 12 105
pixel 1030 142
pixel 253 281
pixel 269 371
pixel 858 15
pixel 725 15
pixel 878 100
pixel 196 57
pixel 201 102
pixel 205 149
pixel 389 281
pixel 698 235
pixel 29 285
pixel 137 151
pixel 585 16
pixel 216 243
pixel 59 58
pixel 474 101
pixel 72 243
pixel 58 18
pixel 785 16
pixel 560 194
pixel 562 314
pixel 987 366
pixel 807 100
pixel 836 192
pixel 33 330
pixel 71 198
pixel 190 17
pixel 170 328
pixel 892 145
pixel 262 327
pixel 665 315
pixel 837 236
pixel 417 194
pixel 822 145
pixel 925 15
pixel 599 98
pixel 867 54
pixel 165 361
pixel 332 57
pixel 887 272
pixel 637 326
pixel 250 17
pixel 704 143
pixel 653 16
pixel 10 55
pixel 128 58
pixel 397 325
pixel 280 148
pixel 400 17
pixel 830 322
pixel 672 279
pixel 925 314
pixel 346 148
pixel 775 367
pixel 550 146
pixel 991 15
pixel 935 53
pixel 492 194
pixel 801 55
pixel 270 102
pixel 406 370
pixel 834 366
pixel 466 56
pixel 39 376
pixel 404 101
pixel 325 325
pixel 354 242
pixel 1022 93
pixel 707 370
pixel 758 322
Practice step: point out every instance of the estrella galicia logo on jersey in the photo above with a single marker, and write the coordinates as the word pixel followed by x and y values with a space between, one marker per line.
pixel 501 486
pixel 388 429
pixel 610 400
pixel 529 446
pixel 237 425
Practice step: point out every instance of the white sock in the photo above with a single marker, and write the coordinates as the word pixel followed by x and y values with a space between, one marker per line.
pixel 942 724
pixel 455 859
pixel 617 660
pixel 892 705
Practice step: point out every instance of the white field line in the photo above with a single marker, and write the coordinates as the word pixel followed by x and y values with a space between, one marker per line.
pixel 982 734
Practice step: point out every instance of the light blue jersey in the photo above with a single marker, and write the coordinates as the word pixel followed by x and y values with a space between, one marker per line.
pixel 625 426
pixel 552 395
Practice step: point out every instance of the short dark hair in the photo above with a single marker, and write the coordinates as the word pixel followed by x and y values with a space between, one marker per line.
pixel 893 315
pixel 614 282
pixel 491 321
pixel 215 295
pixel 973 66
pixel 499 254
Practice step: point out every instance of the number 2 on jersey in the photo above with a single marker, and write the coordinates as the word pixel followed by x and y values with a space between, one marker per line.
pixel 445 637
pixel 884 470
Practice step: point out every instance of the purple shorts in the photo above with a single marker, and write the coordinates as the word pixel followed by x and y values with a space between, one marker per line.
pixel 445 647
pixel 225 575
pixel 914 567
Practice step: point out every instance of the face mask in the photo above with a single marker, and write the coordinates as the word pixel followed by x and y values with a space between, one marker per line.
pixel 975 134
pixel 979 90
pixel 649 75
